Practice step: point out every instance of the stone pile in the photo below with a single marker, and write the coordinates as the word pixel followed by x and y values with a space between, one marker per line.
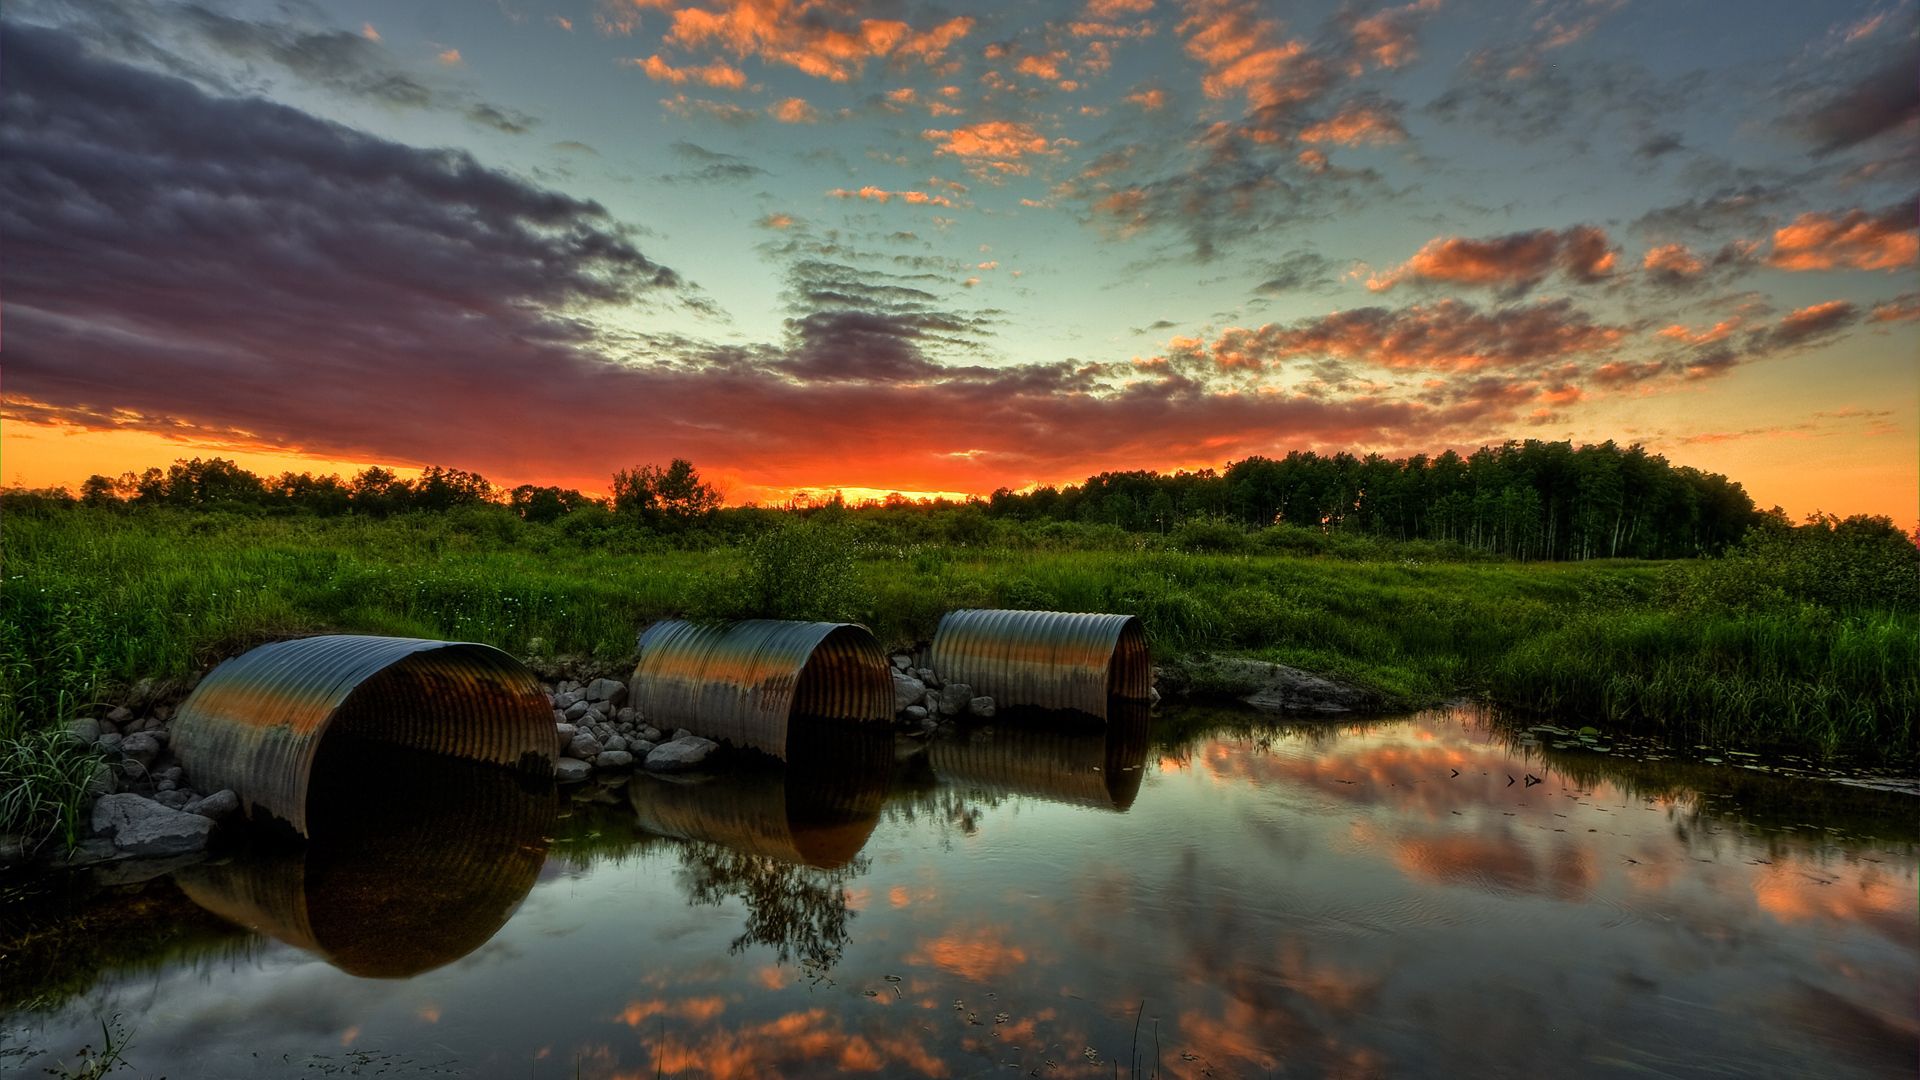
pixel 597 732
pixel 922 701
pixel 144 806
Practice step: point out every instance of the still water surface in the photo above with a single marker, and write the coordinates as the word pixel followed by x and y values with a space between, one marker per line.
pixel 1210 896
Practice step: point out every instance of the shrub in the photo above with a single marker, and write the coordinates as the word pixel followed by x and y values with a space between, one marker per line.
pixel 797 570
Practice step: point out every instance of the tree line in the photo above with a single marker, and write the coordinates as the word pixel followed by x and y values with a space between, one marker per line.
pixel 1527 500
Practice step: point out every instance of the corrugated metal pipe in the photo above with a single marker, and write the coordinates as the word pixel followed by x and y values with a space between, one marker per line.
pixel 256 723
pixel 744 682
pixel 1044 659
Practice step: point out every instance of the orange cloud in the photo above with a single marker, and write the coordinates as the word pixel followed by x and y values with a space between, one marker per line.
pixel 719 75
pixel 1854 240
pixel 1357 123
pixel 821 38
pixel 699 1010
pixel 881 195
pixel 793 111
pixel 1242 51
pixel 996 145
pixel 1045 66
pixel 1515 262
pixel 1449 335
pixel 1387 37
pixel 1151 99
pixel 451 57
pixel 1673 261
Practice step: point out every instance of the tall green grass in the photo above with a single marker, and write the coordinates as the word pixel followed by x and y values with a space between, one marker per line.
pixel 94 600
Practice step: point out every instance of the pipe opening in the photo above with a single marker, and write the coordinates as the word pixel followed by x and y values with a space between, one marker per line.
pixel 1130 672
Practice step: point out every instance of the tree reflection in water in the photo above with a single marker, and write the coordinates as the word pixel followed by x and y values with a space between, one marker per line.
pixel 783 840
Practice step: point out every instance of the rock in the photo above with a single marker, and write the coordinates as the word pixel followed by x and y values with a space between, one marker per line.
pixel 84 730
pixel 163 713
pixel 640 748
pixel 559 716
pixel 568 770
pixel 565 699
pixel 902 662
pixel 172 772
pixel 915 712
pixel 1275 687
pixel 568 686
pixel 684 752
pixel 578 711
pixel 109 744
pixel 649 733
pixel 980 706
pixel 104 780
pixel 906 690
pixel 927 676
pixel 119 715
pixel 611 691
pixel 216 806
pixel 618 742
pixel 1153 695
pixel 954 698
pixel 682 733
pixel 583 746
pixel 164 785
pixel 13 849
pixel 141 747
pixel 140 826
pixel 627 715
pixel 613 759
pixel 173 798
pixel 931 701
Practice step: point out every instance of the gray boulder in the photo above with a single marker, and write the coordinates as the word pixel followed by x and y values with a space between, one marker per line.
pixel 915 712
pixel 640 748
pixel 617 742
pixel 173 798
pixel 565 699
pixel 980 706
pixel 954 698
pixel 680 754
pixel 142 747
pixel 85 730
pixel 682 733
pixel 119 715
pixel 1275 687
pixel 583 746
pixel 902 662
pixel 216 806
pixel 650 733
pixel 110 744
pixel 571 770
pixel 906 690
pixel 627 715
pixel 613 759
pixel 577 711
pixel 927 676
pixel 611 691
pixel 140 826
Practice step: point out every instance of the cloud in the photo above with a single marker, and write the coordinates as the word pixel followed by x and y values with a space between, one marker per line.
pixel 1446 336
pixel 718 75
pixel 1809 325
pixel 1884 101
pixel 1512 264
pixel 450 57
pixel 827 39
pixel 1854 240
pixel 711 166
pixel 992 146
pixel 725 112
pixel 1295 271
pixel 881 195
pixel 1357 123
pixel 793 110
pixel 195 42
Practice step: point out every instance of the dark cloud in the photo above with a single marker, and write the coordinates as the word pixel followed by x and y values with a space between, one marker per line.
pixel 191 41
pixel 1731 210
pixel 1884 100
pixel 1296 271
pixel 1658 145
pixel 710 166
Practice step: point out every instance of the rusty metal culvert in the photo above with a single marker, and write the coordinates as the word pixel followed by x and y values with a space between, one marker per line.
pixel 743 682
pixel 256 723
pixel 1044 659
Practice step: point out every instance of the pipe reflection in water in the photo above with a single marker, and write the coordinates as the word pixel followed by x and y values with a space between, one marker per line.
pixel 785 840
pixel 413 860
pixel 1048 758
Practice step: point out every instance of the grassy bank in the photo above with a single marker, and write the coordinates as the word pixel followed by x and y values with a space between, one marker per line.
pixel 95 599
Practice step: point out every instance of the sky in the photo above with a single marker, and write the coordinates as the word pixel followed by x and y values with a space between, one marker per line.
pixel 895 246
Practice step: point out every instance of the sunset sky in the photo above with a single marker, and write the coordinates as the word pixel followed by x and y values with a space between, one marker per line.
pixel 946 248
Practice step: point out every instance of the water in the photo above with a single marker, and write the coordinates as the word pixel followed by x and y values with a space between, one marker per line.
pixel 1214 897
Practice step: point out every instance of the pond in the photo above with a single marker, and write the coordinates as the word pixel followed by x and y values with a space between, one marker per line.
pixel 1202 894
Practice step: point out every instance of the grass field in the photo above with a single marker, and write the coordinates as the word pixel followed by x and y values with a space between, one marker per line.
pixel 95 599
